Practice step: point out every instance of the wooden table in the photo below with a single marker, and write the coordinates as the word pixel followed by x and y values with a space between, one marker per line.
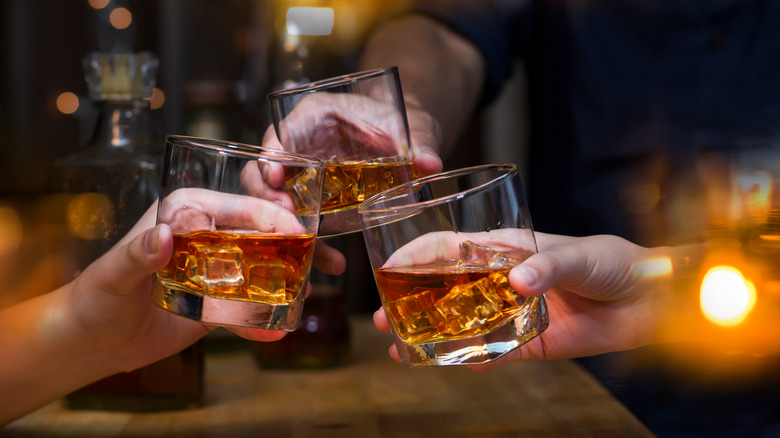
pixel 371 397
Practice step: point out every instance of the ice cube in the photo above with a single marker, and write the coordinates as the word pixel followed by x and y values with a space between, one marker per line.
pixel 336 181
pixel 267 281
pixel 470 305
pixel 306 186
pixel 502 287
pixel 474 255
pixel 215 266
pixel 414 315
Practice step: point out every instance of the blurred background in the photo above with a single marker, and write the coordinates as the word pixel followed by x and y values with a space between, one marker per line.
pixel 217 61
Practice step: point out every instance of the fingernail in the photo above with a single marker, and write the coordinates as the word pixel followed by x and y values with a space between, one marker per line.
pixel 152 242
pixel 528 275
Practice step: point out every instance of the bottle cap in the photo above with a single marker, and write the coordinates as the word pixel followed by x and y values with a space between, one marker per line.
pixel 120 76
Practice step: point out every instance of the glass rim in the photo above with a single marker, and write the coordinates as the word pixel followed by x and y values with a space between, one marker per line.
pixel 324 84
pixel 243 150
pixel 508 170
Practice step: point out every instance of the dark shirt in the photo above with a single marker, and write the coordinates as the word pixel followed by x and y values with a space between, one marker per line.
pixel 625 96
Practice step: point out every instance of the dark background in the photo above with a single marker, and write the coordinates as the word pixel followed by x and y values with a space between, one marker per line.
pixel 217 56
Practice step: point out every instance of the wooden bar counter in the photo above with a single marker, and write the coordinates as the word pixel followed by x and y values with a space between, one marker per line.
pixel 372 396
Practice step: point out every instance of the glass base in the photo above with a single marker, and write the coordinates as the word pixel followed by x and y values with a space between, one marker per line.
pixel 529 323
pixel 224 312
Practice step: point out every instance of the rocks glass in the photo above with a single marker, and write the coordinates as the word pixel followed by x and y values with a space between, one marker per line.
pixel 357 125
pixel 244 221
pixel 441 248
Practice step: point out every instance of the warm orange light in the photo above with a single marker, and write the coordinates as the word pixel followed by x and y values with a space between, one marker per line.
pixel 67 103
pixel 120 18
pixel 757 196
pixel 157 100
pixel 726 296
pixel 653 267
pixel 99 4
pixel 90 215
pixel 10 230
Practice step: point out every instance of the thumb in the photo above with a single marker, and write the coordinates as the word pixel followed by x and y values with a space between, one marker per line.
pixel 427 159
pixel 126 266
pixel 595 267
pixel 564 265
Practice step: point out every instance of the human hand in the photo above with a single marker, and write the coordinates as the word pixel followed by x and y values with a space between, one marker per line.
pixel 116 288
pixel 357 124
pixel 199 209
pixel 597 299
pixel 112 304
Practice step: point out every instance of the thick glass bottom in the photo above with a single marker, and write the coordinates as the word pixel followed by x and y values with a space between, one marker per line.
pixel 530 322
pixel 224 312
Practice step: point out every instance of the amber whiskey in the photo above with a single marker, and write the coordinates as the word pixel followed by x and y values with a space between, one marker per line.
pixel 262 268
pixel 349 184
pixel 445 301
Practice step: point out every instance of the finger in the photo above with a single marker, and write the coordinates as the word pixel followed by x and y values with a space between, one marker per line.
pixel 194 209
pixel 428 162
pixel 258 335
pixel 380 320
pixel 270 140
pixel 144 223
pixel 393 350
pixel 580 265
pixel 263 179
pixel 426 137
pixel 123 269
pixel 546 241
pixel 426 249
pixel 328 259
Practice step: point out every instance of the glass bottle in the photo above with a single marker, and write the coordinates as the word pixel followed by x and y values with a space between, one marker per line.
pixel 323 335
pixel 322 339
pixel 109 185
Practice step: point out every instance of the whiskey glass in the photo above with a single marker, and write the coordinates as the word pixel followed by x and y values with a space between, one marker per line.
pixel 244 221
pixel 441 248
pixel 356 124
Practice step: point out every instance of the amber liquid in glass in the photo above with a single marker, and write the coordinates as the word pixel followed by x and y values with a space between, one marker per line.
pixel 349 184
pixel 263 268
pixel 443 301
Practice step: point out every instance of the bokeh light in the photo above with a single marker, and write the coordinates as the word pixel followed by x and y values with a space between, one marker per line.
pixel 157 100
pixel 726 296
pixel 99 4
pixel 120 18
pixel 67 103
pixel 10 230
pixel 90 215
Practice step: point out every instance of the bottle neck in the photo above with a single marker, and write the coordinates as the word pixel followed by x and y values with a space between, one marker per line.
pixel 123 125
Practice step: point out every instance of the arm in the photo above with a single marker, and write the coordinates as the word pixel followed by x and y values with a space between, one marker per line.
pixel 101 323
pixel 60 341
pixel 441 74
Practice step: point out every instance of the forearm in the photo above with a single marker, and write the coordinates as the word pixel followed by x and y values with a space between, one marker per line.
pixel 43 356
pixel 440 71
